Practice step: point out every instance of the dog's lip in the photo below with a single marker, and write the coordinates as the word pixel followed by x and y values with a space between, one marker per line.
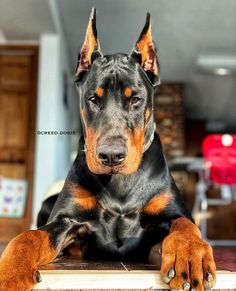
pixel 112 170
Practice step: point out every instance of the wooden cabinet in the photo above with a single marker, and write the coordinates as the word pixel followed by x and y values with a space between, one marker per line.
pixel 18 83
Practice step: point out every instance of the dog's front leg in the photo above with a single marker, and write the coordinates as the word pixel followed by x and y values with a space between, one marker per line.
pixel 21 258
pixel 187 260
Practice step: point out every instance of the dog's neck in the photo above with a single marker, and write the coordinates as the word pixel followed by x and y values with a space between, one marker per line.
pixel 152 169
pixel 149 133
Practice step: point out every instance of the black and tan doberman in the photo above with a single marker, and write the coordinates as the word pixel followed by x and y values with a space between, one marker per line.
pixel 119 198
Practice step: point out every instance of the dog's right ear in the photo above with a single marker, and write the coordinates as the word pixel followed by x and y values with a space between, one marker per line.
pixel 90 49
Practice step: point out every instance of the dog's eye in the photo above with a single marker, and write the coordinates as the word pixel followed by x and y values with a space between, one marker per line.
pixel 95 100
pixel 135 100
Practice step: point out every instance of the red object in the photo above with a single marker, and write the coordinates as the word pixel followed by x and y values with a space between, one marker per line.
pixel 219 152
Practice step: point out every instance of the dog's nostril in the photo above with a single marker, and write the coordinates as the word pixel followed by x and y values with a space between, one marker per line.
pixel 110 156
pixel 104 158
pixel 120 157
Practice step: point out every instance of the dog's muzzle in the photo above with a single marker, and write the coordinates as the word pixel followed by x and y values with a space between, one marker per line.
pixel 112 152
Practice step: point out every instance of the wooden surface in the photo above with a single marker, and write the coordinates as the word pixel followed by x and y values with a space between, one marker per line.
pixel 67 273
pixel 18 87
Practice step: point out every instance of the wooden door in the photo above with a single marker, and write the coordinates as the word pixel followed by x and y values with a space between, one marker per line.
pixel 18 83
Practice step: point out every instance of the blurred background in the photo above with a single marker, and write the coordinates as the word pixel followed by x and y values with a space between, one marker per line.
pixel 39 45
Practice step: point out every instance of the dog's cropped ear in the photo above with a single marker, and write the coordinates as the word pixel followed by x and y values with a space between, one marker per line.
pixel 90 49
pixel 145 53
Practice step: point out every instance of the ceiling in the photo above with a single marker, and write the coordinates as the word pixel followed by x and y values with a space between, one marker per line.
pixel 182 29
pixel 25 19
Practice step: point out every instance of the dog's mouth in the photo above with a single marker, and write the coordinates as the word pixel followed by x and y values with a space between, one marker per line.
pixel 127 167
pixel 114 171
pixel 111 170
pixel 114 155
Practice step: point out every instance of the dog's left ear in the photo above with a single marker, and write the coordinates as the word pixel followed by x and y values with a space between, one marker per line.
pixel 145 53
pixel 90 49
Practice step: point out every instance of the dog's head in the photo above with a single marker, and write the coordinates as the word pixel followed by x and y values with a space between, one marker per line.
pixel 116 102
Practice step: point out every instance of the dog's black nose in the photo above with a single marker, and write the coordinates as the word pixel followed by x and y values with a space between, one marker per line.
pixel 111 155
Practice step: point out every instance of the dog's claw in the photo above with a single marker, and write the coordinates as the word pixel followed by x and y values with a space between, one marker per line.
pixel 169 277
pixel 166 279
pixel 186 286
pixel 209 281
pixel 37 277
pixel 209 277
pixel 171 274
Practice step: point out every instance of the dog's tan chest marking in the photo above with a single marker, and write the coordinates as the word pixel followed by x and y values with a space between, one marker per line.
pixel 82 197
pixel 158 203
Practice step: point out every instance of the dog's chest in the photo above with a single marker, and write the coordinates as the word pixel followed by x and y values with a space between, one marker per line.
pixel 117 230
pixel 115 234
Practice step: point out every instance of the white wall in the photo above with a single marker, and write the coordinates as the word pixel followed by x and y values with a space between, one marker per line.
pixel 52 159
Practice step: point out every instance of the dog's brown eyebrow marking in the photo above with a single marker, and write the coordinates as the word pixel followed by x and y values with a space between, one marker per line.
pixel 128 92
pixel 100 91
pixel 157 203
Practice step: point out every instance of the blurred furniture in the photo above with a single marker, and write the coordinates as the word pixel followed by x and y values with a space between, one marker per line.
pixel 219 167
pixel 18 86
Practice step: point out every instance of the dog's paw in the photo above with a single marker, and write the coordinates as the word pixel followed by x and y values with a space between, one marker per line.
pixel 187 262
pixel 14 286
pixel 13 278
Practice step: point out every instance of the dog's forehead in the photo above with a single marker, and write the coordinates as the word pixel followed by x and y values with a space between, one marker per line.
pixel 118 64
pixel 118 69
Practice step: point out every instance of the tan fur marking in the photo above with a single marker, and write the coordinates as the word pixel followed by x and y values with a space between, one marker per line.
pixel 82 197
pixel 89 46
pixel 75 250
pixel 147 115
pixel 21 257
pixel 128 92
pixel 135 151
pixel 184 245
pixel 145 47
pixel 142 45
pixel 158 203
pixel 184 225
pixel 93 162
pixel 100 91
pixel 90 43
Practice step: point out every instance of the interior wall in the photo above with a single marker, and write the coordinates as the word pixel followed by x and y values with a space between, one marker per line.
pixel 182 29
pixel 52 159
pixel 212 98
